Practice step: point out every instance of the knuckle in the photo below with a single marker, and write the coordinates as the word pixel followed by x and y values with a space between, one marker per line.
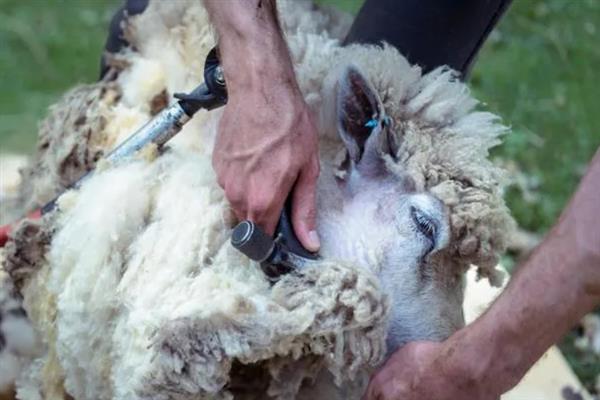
pixel 316 163
pixel 314 170
pixel 234 195
pixel 258 211
pixel 220 177
pixel 260 206
pixel 216 163
pixel 221 181
pixel 288 175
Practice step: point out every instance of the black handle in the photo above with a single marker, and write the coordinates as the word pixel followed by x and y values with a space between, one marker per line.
pixel 285 233
pixel 278 256
pixel 252 241
pixel 209 95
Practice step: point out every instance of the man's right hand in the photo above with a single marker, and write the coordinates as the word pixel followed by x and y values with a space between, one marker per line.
pixel 266 146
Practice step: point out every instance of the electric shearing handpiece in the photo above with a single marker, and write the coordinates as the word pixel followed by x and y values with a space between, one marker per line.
pixel 160 129
pixel 277 256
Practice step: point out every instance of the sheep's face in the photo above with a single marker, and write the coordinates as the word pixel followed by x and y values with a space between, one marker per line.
pixel 373 217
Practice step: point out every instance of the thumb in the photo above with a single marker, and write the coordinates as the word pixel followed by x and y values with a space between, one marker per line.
pixel 304 209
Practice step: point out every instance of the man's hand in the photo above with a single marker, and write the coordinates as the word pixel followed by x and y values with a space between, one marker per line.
pixel 427 370
pixel 266 147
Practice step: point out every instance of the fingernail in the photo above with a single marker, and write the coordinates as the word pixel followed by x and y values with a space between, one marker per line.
pixel 314 242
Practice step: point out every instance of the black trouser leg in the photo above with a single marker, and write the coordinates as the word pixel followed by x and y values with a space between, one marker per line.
pixel 115 41
pixel 429 32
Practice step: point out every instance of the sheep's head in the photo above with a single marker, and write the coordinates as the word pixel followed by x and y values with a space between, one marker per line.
pixel 379 213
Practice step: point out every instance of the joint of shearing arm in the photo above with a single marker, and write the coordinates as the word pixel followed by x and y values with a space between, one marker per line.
pixel 557 285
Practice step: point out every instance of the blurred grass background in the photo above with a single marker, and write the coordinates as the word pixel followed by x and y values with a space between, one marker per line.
pixel 539 70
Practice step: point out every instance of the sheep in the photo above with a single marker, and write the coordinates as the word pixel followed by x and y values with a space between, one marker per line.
pixel 132 283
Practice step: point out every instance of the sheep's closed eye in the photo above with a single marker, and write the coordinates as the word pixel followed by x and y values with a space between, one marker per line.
pixel 426 225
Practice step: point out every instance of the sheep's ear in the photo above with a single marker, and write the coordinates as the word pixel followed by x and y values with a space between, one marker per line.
pixel 362 123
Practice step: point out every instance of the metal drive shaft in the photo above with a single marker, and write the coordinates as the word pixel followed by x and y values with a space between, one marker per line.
pixel 159 130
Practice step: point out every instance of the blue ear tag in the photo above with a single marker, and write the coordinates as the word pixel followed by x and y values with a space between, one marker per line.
pixel 372 123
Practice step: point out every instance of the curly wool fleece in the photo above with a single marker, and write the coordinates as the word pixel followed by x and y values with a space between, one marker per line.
pixel 140 296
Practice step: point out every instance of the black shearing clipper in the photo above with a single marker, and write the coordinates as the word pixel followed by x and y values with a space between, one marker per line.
pixel 277 256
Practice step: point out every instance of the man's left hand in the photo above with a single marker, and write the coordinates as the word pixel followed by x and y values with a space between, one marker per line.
pixel 427 371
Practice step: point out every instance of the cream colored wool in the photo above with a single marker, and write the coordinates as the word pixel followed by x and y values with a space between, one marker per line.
pixel 10 184
pixel 69 143
pixel 148 307
pixel 140 296
pixel 18 342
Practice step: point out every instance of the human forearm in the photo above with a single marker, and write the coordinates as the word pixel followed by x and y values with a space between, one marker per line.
pixel 245 22
pixel 253 51
pixel 556 286
pixel 266 146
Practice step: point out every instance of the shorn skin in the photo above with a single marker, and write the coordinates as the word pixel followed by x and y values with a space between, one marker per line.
pixel 140 269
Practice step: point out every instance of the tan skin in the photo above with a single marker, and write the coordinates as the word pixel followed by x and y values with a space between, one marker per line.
pixel 267 147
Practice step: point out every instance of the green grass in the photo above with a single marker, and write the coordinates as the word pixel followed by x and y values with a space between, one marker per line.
pixel 539 70
pixel 46 46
